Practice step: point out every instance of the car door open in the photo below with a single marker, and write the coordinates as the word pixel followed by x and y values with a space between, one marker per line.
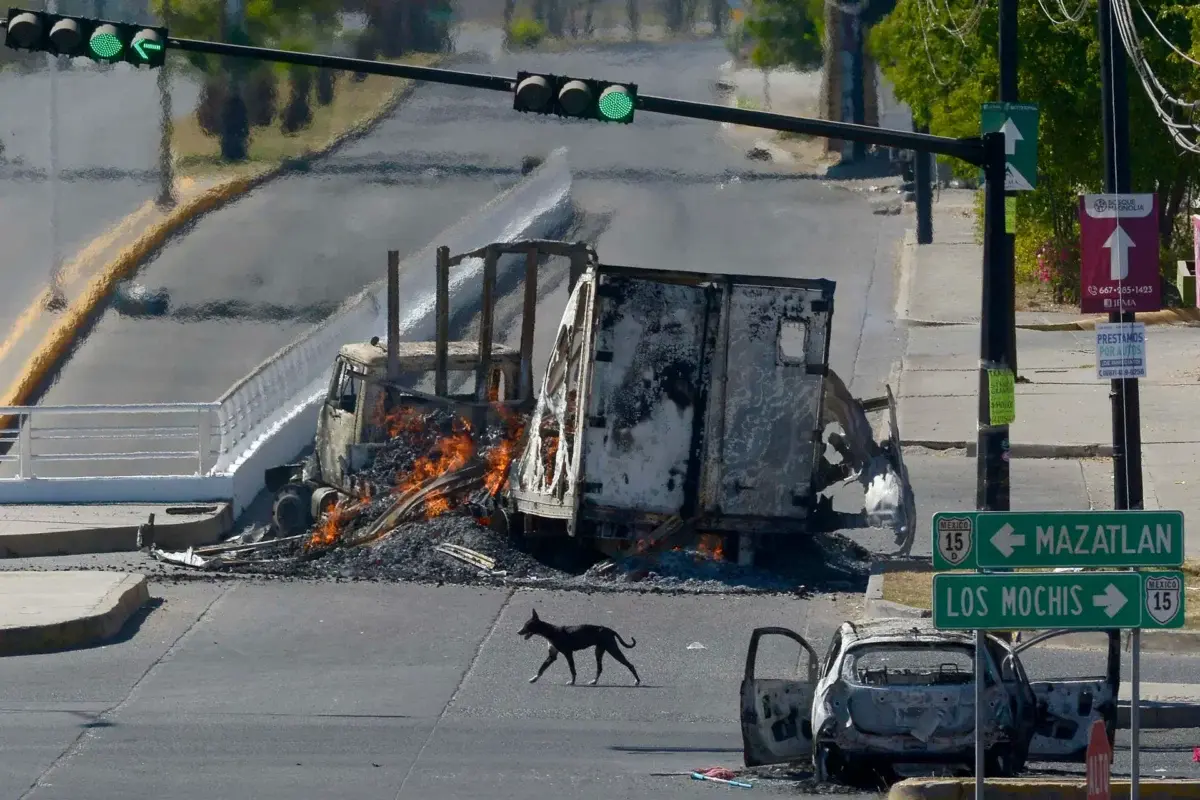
pixel 776 713
pixel 1065 711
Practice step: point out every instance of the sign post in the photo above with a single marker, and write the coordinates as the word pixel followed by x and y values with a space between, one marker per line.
pixel 1118 265
pixel 1099 763
pixel 990 597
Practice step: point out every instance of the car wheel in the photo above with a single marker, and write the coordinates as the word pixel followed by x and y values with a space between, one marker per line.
pixel 825 768
pixel 998 763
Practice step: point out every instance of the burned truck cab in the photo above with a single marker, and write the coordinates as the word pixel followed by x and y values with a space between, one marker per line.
pixel 362 409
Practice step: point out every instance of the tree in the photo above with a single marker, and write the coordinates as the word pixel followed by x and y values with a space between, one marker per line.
pixel 229 114
pixel 944 79
pixel 785 33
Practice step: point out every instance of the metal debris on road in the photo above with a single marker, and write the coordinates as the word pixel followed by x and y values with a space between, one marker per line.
pixel 721 775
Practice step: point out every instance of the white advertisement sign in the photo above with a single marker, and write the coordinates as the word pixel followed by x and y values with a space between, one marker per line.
pixel 1120 350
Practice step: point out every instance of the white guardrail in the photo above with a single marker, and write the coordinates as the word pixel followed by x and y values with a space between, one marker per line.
pixel 218 451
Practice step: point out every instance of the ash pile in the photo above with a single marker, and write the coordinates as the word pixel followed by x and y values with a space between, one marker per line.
pixel 423 512
pixel 424 509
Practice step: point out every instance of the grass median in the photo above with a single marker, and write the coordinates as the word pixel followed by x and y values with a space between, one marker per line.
pixel 354 105
pixel 913 588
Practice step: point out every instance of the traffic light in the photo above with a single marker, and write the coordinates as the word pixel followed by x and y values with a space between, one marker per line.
pixel 99 40
pixel 575 97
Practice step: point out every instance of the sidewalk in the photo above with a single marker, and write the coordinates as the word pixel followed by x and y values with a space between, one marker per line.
pixel 32 531
pixel 1064 410
pixel 46 611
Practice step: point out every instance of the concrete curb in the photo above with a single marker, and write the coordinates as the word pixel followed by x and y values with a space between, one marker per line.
pixel 198 529
pixel 111 613
pixel 1002 789
pixel 1020 450
pixel 57 344
pixel 1168 316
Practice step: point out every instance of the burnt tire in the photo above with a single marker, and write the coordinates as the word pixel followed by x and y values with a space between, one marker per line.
pixel 290 511
pixel 999 762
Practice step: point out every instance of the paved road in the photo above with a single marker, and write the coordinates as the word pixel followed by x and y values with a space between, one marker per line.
pixel 107 126
pixel 677 193
pixel 364 691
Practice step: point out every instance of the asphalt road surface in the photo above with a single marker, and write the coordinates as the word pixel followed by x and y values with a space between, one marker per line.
pixel 303 690
pixel 106 125
pixel 676 193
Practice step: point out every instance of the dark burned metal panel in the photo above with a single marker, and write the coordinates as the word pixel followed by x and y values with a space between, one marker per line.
pixel 771 441
pixel 647 393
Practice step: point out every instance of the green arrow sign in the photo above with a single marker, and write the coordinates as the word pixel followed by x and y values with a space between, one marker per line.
pixel 1072 600
pixel 144 47
pixel 1046 539
pixel 1019 123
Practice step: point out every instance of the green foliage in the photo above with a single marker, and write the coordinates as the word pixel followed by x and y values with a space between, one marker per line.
pixel 785 33
pixel 524 33
pixel 944 81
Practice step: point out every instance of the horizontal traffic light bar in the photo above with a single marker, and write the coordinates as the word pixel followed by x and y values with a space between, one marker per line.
pixel 97 39
pixel 970 150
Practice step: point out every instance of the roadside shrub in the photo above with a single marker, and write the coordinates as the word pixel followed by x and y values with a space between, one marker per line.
pixel 524 33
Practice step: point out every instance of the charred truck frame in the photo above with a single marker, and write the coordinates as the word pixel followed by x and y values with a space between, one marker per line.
pixel 673 403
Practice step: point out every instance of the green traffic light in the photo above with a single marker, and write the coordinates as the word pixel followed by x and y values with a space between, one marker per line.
pixel 615 104
pixel 105 43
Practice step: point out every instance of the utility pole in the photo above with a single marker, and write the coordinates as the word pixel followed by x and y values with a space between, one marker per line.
pixel 166 166
pixel 234 121
pixel 1124 394
pixel 1008 94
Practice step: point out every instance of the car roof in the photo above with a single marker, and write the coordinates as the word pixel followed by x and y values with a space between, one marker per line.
pixel 895 629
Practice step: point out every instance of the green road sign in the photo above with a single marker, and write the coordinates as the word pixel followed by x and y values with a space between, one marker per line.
pixel 1047 539
pixel 1019 123
pixel 1018 601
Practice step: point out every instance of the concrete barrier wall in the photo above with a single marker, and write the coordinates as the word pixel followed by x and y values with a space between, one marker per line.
pixel 269 417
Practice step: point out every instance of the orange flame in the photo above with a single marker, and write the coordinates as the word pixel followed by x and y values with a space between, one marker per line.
pixel 710 545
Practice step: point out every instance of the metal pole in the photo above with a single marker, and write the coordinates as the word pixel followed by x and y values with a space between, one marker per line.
pixel 58 300
pixel 166 165
pixel 979 704
pixel 393 315
pixel 1135 716
pixel 858 98
pixel 1008 94
pixel 1123 394
pixel 923 189
pixel 992 447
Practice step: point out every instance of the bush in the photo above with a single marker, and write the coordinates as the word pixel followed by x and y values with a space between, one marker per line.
pixel 298 113
pixel 524 33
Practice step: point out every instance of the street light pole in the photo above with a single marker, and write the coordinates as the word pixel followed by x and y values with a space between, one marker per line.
pixel 1008 55
pixel 1124 393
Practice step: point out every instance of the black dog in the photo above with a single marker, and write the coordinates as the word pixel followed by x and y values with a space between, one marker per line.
pixel 568 640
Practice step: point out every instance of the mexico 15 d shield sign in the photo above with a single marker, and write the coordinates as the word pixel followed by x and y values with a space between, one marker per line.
pixel 1118 268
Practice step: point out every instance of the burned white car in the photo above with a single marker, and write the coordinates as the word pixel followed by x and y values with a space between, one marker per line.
pixel 896 697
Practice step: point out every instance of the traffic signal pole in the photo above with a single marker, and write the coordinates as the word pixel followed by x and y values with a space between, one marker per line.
pixel 996 318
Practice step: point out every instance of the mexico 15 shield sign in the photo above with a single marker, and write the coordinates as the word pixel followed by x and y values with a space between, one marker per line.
pixel 1118 265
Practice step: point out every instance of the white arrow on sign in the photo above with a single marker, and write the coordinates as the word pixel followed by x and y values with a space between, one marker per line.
pixel 1111 601
pixel 1006 539
pixel 1012 135
pixel 1118 245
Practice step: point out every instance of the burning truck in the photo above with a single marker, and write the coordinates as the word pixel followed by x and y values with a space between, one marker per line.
pixel 673 405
